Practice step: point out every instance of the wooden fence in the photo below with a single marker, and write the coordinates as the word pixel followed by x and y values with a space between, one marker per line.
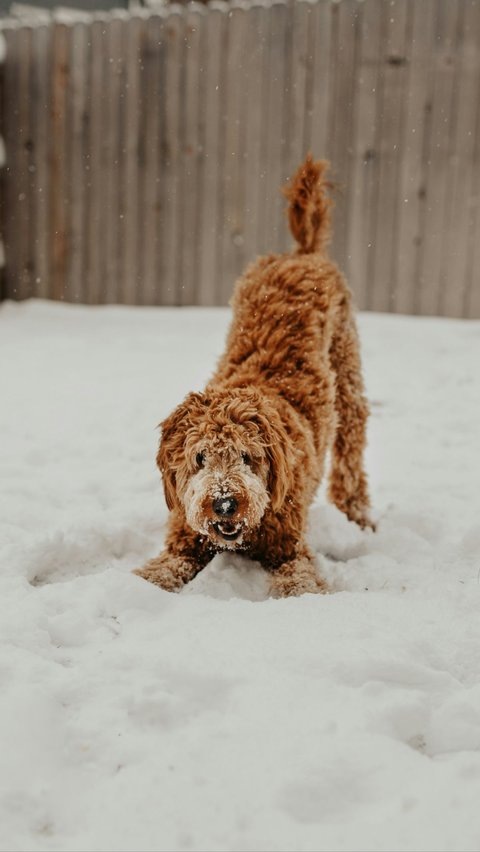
pixel 144 153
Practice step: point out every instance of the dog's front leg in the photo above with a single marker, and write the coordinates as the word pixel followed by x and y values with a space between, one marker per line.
pixel 297 576
pixel 184 556
pixel 169 571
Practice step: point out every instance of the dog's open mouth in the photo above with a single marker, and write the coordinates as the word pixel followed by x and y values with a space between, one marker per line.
pixel 228 530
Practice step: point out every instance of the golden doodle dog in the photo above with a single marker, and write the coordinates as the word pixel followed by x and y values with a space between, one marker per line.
pixel 241 462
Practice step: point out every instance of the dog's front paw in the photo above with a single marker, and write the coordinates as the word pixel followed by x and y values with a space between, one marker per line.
pixel 298 577
pixel 168 571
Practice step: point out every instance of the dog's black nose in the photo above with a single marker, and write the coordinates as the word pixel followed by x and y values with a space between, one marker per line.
pixel 225 507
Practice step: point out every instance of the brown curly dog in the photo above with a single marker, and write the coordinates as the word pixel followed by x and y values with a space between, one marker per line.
pixel 241 462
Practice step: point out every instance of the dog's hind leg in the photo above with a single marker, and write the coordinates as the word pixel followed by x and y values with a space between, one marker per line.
pixel 348 488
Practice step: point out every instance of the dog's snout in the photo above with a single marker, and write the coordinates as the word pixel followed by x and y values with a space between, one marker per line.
pixel 225 507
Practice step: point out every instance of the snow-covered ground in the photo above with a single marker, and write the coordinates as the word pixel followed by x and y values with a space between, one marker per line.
pixel 218 719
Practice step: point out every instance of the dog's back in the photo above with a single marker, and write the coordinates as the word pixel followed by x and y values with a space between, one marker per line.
pixel 284 306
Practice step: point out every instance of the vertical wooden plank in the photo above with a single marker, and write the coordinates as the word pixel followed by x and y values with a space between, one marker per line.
pixel 144 63
pixel 123 23
pixel 437 156
pixel 454 272
pixel 296 94
pixel 3 48
pixel 76 106
pixel 112 59
pixel 321 84
pixel 26 166
pixel 223 107
pixel 149 108
pixel 257 39
pixel 192 153
pixel 17 142
pixel 263 189
pixel 392 107
pixel 309 57
pixel 309 77
pixel 10 128
pixel 209 267
pixel 277 139
pixel 110 269
pixel 94 181
pixel 162 210
pixel 131 220
pixel 345 40
pixel 365 160
pixel 58 158
pixel 41 139
pixel 411 192
pixel 472 290
pixel 234 146
pixel 170 236
pixel 23 163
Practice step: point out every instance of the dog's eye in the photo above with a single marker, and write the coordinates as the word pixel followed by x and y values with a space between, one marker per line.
pixel 200 459
pixel 246 458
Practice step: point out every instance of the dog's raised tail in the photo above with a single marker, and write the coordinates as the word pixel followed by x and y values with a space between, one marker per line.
pixel 309 205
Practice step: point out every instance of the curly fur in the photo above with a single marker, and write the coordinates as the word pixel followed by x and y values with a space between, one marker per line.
pixel 242 461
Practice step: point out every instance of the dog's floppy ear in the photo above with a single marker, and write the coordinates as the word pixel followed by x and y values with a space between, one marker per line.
pixel 281 458
pixel 170 450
